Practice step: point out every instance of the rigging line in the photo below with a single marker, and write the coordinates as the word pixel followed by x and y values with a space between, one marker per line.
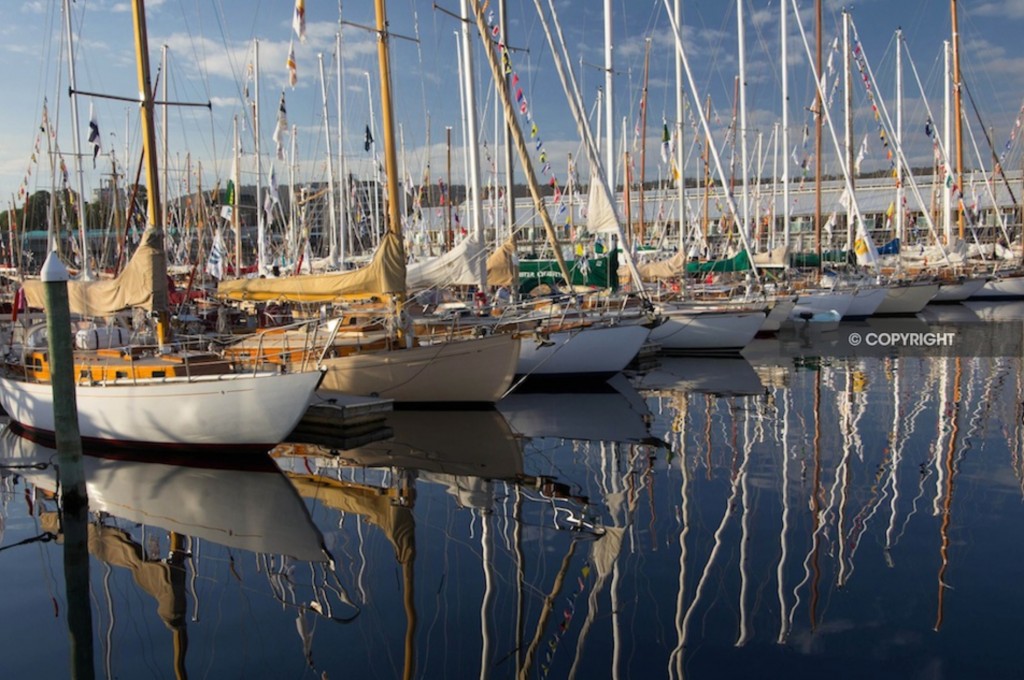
pixel 44 537
pixel 998 167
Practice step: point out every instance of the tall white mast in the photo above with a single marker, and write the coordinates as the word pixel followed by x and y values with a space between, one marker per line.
pixel 77 147
pixel 706 127
pixel 851 162
pixel 785 125
pixel 331 206
pixel 476 204
pixel 745 210
pixel 236 219
pixel 899 140
pixel 679 127
pixel 342 238
pixel 609 99
pixel 261 236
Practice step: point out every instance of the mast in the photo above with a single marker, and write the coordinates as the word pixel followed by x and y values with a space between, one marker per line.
pixel 374 214
pixel 707 177
pixel 609 101
pixel 387 125
pixel 159 283
pixel 448 237
pixel 331 207
pixel 680 117
pixel 236 219
pixel 848 102
pixel 706 127
pixel 517 136
pixel 947 208
pixel 785 126
pixel 742 84
pixel 957 116
pixel 476 203
pixel 899 143
pixel 261 229
pixel 164 155
pixel 818 112
pixel 86 275
pixel 342 237
pixel 643 145
pixel 510 202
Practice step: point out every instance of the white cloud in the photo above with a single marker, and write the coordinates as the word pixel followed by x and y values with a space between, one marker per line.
pixel 1012 9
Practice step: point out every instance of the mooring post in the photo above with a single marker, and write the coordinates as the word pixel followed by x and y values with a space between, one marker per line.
pixel 71 474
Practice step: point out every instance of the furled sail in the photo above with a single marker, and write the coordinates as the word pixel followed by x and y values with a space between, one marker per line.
pixel 384 274
pixel 142 283
pixel 460 266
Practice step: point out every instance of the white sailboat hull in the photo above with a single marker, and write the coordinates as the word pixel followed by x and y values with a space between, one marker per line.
pixel 958 291
pixel 866 302
pixel 908 298
pixel 1002 288
pixel 238 410
pixel 810 303
pixel 782 307
pixel 478 370
pixel 707 331
pixel 591 352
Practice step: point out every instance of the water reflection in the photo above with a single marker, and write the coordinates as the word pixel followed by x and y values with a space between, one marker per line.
pixel 786 513
pixel 161 523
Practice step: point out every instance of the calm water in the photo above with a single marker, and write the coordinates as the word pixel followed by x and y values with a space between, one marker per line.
pixel 791 514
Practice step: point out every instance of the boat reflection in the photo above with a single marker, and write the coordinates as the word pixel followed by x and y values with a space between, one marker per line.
pixel 166 523
pixel 724 376
pixel 239 502
pixel 613 412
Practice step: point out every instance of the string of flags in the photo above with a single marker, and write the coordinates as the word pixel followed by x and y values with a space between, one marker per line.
pixel 1013 135
pixel 524 110
pixel 859 60
pixel 44 128
pixel 567 615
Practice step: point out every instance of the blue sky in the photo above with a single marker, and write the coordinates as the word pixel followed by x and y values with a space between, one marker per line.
pixel 210 47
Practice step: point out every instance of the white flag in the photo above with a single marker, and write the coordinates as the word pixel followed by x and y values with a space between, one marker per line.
pixel 861 155
pixel 281 128
pixel 299 20
pixel 215 263
pixel 293 74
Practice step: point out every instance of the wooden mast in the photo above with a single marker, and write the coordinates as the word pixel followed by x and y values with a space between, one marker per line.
pixel 957 126
pixel 159 283
pixel 517 137
pixel 640 229
pixel 388 127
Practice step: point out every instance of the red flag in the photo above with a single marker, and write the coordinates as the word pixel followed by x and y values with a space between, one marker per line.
pixel 19 304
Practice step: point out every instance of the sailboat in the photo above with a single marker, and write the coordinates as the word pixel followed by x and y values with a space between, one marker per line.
pixel 128 395
pixel 470 370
